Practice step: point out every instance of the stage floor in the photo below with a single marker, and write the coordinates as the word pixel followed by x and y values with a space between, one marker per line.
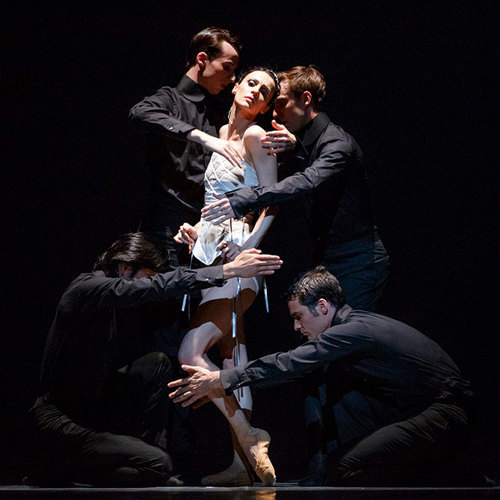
pixel 282 491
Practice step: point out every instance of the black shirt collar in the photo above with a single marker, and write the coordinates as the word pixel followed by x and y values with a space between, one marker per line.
pixel 341 314
pixel 191 90
pixel 313 129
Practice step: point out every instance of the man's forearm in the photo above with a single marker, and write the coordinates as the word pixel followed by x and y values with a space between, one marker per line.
pixel 197 136
pixel 154 114
pixel 329 167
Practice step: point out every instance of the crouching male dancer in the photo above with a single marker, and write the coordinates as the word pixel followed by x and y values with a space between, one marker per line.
pixel 415 413
pixel 103 396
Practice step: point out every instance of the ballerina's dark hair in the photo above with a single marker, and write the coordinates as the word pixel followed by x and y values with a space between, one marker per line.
pixel 271 73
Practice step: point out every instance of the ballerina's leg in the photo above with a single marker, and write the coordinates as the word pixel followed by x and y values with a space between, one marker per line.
pixel 211 322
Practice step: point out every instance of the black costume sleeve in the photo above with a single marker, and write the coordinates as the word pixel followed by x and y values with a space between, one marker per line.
pixel 154 114
pixel 332 345
pixel 329 166
pixel 118 292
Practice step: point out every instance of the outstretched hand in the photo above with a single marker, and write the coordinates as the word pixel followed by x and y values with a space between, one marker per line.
pixel 199 384
pixel 218 211
pixel 250 263
pixel 279 140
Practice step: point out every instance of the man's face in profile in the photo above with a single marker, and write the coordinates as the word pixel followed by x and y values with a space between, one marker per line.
pixel 219 72
pixel 289 109
pixel 309 323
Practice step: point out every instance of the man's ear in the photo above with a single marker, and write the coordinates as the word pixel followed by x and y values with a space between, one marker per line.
pixel 124 270
pixel 306 98
pixel 201 59
pixel 322 306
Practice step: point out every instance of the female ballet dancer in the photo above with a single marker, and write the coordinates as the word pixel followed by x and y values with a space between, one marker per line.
pixel 219 317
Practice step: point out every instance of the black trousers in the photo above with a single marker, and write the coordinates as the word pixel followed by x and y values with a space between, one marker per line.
pixel 362 268
pixel 412 452
pixel 109 446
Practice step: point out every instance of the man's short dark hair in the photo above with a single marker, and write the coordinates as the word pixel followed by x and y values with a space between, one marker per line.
pixel 316 284
pixel 302 78
pixel 210 40
pixel 136 250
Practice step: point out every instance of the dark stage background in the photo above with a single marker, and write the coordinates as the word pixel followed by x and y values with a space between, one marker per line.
pixel 412 81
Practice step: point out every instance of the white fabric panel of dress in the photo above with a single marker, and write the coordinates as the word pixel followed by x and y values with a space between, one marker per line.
pixel 220 177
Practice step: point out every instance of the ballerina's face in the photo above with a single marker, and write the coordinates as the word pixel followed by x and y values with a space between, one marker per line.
pixel 254 92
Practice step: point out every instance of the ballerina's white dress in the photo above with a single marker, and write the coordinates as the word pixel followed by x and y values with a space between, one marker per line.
pixel 220 177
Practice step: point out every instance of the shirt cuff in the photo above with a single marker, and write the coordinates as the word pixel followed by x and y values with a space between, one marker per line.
pixel 232 378
pixel 185 129
pixel 212 274
pixel 241 200
pixel 177 127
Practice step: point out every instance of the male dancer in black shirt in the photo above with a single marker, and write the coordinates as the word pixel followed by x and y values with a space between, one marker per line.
pixel 415 414
pixel 103 394
pixel 182 124
pixel 331 177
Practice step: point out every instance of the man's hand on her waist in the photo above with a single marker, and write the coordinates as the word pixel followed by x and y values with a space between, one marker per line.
pixel 218 211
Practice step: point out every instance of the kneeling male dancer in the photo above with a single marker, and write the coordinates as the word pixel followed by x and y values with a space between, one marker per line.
pixel 415 416
pixel 103 395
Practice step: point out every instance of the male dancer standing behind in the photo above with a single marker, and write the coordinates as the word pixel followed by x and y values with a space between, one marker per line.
pixel 184 123
pixel 331 178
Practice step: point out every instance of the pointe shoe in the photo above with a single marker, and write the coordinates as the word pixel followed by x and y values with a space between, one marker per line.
pixel 260 439
pixel 237 474
pixel 227 477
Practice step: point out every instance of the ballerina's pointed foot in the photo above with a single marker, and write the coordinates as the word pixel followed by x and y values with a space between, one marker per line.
pixel 257 441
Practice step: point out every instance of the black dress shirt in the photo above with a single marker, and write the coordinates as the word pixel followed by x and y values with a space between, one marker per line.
pixel 380 357
pixel 178 165
pixel 98 328
pixel 332 176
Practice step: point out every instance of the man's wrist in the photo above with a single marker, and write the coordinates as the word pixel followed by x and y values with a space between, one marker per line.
pixel 217 381
pixel 195 135
pixel 232 378
pixel 229 270
pixel 241 201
